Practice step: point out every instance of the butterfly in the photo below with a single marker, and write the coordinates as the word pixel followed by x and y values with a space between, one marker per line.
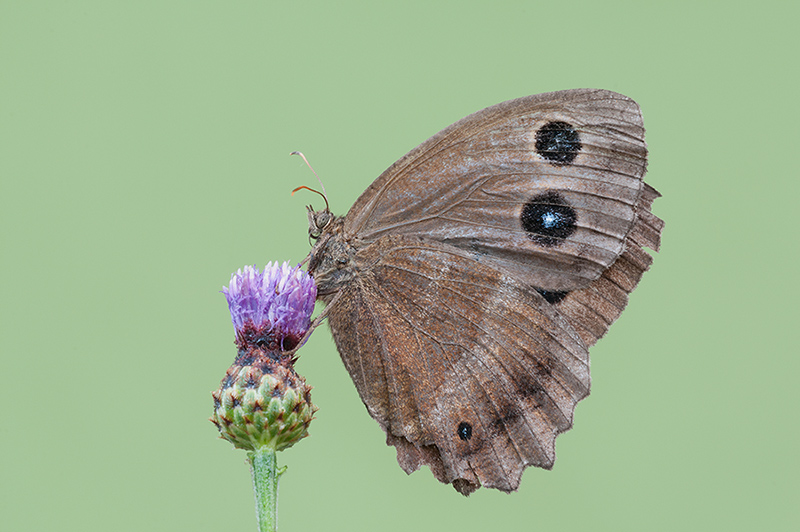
pixel 465 286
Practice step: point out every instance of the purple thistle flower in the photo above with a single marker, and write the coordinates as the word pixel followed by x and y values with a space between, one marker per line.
pixel 270 309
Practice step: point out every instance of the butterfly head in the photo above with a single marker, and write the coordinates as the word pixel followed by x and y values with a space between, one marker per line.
pixel 331 257
pixel 318 221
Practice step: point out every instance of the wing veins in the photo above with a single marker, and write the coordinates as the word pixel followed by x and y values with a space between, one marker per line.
pixel 500 344
pixel 452 367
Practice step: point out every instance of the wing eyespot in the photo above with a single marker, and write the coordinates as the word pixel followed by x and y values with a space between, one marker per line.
pixel 558 142
pixel 464 431
pixel 548 219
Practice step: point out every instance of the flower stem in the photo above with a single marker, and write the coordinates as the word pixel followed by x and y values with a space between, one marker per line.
pixel 263 466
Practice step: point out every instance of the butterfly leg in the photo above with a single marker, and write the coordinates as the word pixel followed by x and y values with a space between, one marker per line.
pixel 314 324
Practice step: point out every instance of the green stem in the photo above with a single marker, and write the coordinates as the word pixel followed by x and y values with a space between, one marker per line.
pixel 263 466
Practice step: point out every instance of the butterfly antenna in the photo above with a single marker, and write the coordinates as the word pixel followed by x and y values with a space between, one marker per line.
pixel 327 207
pixel 324 192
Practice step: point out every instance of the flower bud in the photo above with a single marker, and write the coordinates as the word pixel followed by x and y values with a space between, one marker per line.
pixel 262 401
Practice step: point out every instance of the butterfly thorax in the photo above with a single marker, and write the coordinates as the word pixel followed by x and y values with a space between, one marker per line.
pixel 331 259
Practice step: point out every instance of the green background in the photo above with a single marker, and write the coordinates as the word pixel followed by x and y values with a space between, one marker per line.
pixel 144 156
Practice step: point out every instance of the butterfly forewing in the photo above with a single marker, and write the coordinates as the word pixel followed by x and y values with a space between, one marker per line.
pixel 481 184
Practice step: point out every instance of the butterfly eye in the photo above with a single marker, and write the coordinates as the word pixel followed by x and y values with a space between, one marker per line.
pixel 323 218
pixel 317 222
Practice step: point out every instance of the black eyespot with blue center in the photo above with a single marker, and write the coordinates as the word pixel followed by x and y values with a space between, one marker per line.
pixel 553 296
pixel 464 430
pixel 558 142
pixel 548 219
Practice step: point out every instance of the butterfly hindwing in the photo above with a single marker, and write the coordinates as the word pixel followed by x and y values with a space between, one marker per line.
pixel 487 371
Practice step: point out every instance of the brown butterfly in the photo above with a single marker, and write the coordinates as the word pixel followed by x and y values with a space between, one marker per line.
pixel 467 283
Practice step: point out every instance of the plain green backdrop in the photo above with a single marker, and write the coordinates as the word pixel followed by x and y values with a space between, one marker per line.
pixel 144 156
